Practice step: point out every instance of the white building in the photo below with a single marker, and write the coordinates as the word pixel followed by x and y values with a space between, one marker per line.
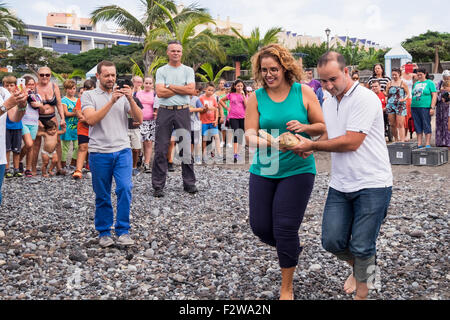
pixel 292 40
pixel 63 40
pixel 361 43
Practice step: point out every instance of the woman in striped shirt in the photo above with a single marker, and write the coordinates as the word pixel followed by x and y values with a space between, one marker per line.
pixel 378 74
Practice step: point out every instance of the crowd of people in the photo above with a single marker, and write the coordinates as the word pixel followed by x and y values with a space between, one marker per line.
pixel 409 100
pixel 117 128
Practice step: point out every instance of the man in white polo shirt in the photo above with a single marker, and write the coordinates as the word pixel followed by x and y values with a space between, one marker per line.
pixel 361 178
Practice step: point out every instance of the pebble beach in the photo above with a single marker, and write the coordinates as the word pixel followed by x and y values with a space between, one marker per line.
pixel 201 246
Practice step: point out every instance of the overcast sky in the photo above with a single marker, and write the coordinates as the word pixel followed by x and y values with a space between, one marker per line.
pixel 384 21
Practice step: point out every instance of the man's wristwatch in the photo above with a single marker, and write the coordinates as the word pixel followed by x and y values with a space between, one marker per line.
pixel 167 86
pixel 3 109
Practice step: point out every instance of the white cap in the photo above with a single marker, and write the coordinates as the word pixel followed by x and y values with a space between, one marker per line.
pixel 446 73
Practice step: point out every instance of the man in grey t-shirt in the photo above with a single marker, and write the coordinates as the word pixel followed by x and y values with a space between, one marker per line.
pixel 175 83
pixel 105 110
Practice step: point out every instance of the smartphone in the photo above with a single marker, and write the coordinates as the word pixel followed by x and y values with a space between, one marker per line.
pixel 21 83
pixel 122 82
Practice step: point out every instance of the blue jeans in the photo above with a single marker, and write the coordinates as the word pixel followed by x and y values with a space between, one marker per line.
pixel 105 166
pixel 2 175
pixel 351 223
pixel 422 120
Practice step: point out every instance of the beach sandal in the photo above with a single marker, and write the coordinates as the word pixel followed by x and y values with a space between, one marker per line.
pixel 427 146
pixel 77 174
pixel 28 174
pixel 17 174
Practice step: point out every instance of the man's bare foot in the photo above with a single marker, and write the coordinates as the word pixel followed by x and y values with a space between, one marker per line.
pixel 350 284
pixel 44 175
pixel 361 291
pixel 287 295
pixel 359 298
pixel 51 173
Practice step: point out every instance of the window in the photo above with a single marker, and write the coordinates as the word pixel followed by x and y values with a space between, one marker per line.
pixel 21 38
pixel 100 45
pixel 48 42
pixel 87 28
pixel 75 43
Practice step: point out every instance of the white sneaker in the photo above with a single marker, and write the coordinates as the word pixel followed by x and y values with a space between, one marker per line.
pixel 106 241
pixel 222 144
pixel 229 145
pixel 125 240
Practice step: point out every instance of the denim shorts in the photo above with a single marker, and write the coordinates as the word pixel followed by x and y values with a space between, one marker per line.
pixel 422 120
pixel 31 129
pixel 351 223
pixel 209 129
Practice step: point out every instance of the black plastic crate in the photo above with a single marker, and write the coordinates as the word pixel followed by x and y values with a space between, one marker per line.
pixel 429 156
pixel 401 152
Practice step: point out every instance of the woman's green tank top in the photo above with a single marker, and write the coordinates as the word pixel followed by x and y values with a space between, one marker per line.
pixel 272 163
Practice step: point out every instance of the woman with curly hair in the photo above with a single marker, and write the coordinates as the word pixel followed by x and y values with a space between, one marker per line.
pixel 280 181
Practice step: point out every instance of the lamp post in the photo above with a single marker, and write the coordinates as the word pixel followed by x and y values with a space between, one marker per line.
pixel 327 32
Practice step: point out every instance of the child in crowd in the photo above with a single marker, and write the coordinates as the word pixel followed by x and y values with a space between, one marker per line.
pixel 48 152
pixel 134 133
pixel 196 126
pixel 147 128
pixel 13 135
pixel 376 88
pixel 82 133
pixel 221 92
pixel 209 118
pixel 30 123
pixel 70 136
pixel 236 114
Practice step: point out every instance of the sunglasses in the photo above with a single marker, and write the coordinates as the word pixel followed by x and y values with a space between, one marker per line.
pixel 45 75
pixel 355 78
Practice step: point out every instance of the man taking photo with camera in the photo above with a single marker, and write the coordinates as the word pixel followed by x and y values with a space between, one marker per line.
pixel 106 109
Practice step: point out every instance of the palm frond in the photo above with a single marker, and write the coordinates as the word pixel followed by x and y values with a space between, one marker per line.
pixel 219 74
pixel 77 73
pixel 119 16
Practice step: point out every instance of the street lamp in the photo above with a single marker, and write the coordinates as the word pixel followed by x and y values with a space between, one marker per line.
pixel 327 32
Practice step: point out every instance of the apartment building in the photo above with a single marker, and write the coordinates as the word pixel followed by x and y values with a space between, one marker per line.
pixel 292 40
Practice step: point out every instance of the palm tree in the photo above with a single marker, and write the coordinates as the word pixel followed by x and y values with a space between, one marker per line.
pixel 153 17
pixel 196 47
pixel 209 76
pixel 9 20
pixel 368 60
pixel 158 62
pixel 254 42
pixel 77 73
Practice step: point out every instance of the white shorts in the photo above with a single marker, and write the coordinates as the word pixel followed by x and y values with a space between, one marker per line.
pixel 135 138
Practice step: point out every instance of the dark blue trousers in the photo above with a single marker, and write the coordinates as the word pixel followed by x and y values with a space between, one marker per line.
pixel 277 207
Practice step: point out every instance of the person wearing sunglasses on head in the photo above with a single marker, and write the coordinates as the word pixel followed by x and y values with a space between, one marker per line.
pixel 51 96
